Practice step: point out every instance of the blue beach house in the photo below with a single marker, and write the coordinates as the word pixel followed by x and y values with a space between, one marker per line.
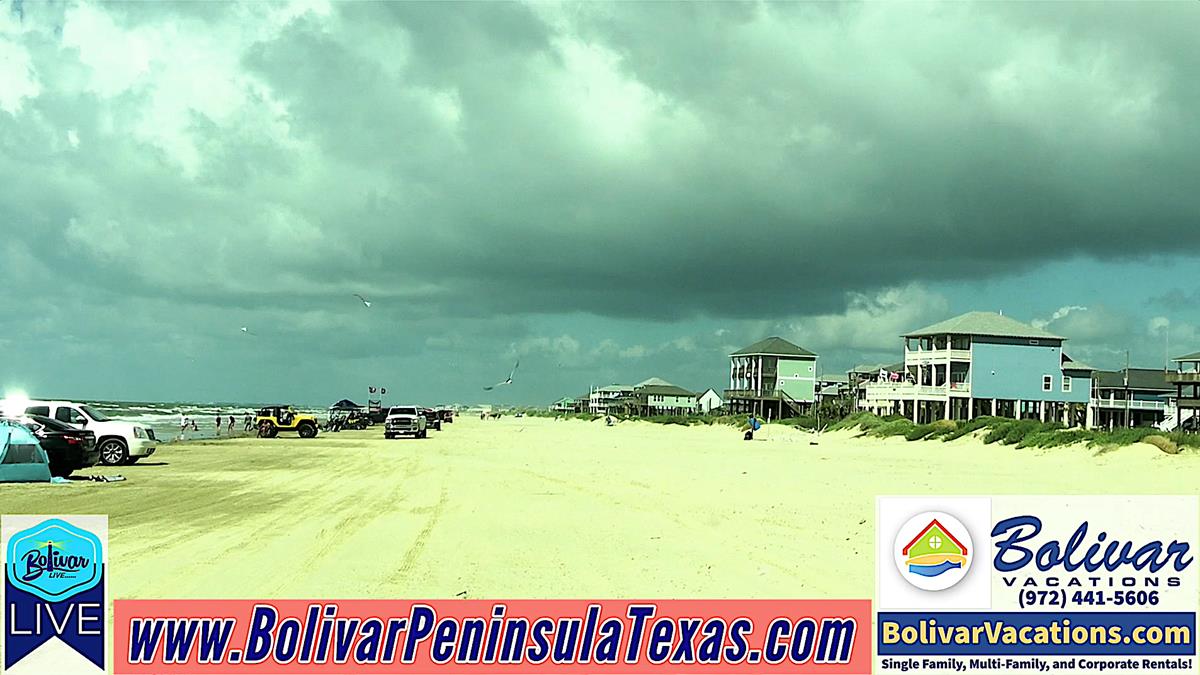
pixel 984 363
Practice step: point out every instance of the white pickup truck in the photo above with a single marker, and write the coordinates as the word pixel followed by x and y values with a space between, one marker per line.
pixel 119 442
pixel 405 420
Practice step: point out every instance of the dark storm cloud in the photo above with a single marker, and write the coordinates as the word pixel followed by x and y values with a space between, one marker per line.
pixel 471 166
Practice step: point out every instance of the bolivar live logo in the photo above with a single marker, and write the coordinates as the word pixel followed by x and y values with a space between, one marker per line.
pixel 54 569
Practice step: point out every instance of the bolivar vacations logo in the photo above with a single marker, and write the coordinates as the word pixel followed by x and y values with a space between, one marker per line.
pixel 54 593
pixel 933 550
pixel 1069 583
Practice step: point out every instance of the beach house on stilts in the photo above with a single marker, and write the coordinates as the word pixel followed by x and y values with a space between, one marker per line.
pixel 1185 401
pixel 983 363
pixel 772 377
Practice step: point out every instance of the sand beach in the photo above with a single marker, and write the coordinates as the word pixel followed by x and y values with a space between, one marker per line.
pixel 533 507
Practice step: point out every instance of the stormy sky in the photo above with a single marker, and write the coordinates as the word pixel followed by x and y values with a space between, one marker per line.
pixel 607 192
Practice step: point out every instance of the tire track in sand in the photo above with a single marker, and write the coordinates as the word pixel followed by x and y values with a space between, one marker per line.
pixel 409 560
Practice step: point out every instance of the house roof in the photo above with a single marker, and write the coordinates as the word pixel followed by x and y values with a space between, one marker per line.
pixel 834 377
pixel 773 346
pixel 654 381
pixel 872 368
pixel 1139 378
pixel 989 324
pixel 665 390
pixel 706 391
pixel 1069 363
pixel 932 524
pixel 1194 356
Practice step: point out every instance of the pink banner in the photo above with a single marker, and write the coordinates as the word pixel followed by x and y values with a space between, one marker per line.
pixel 411 637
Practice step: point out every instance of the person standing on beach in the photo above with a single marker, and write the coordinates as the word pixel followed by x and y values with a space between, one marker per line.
pixel 219 420
pixel 249 422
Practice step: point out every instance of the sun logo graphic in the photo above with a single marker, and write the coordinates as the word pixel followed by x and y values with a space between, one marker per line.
pixel 933 550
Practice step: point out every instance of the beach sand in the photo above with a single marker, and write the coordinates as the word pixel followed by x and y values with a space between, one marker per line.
pixel 540 508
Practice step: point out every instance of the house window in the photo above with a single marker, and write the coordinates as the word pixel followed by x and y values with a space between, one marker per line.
pixel 1047 383
pixel 1066 384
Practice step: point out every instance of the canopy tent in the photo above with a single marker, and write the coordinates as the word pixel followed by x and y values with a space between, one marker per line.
pixel 345 404
pixel 22 459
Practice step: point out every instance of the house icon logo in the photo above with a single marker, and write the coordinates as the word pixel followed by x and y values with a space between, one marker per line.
pixel 933 551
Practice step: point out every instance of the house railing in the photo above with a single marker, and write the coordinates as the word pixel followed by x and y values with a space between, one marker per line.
pixel 921 356
pixel 909 390
pixel 1131 404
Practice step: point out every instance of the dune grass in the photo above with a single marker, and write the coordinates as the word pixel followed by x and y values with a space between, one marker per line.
pixel 1018 433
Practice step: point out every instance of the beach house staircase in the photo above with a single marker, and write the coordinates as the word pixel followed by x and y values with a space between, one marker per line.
pixel 1173 418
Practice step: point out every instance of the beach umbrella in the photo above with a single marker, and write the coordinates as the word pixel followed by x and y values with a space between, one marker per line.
pixel 507 380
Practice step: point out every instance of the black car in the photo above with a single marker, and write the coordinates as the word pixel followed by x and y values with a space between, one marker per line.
pixel 433 419
pixel 68 448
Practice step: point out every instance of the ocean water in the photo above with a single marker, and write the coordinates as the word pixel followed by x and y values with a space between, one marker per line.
pixel 164 417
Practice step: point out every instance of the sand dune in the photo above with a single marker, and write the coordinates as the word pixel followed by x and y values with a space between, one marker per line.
pixel 539 508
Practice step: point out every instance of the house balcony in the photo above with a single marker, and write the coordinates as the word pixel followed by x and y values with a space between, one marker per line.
pixel 1130 404
pixel 923 357
pixel 1183 378
pixel 906 391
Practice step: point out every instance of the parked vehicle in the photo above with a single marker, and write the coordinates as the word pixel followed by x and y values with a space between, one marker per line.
pixel 433 419
pixel 273 419
pixel 405 420
pixel 68 448
pixel 118 442
pixel 447 415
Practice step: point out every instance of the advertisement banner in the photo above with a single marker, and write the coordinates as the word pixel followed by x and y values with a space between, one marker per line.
pixel 1018 583
pixel 181 637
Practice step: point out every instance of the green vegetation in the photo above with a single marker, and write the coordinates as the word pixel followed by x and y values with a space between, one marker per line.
pixel 1019 433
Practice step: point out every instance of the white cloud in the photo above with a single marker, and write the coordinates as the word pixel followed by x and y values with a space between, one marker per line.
pixel 1059 313
pixel 18 80
pixel 872 322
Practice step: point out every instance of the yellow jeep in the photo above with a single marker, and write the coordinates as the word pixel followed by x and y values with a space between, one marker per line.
pixel 273 419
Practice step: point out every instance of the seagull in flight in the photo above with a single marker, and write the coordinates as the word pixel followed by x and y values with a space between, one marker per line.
pixel 365 302
pixel 508 380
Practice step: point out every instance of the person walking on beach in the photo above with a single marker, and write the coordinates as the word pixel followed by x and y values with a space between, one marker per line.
pixel 248 423
pixel 219 420
pixel 232 421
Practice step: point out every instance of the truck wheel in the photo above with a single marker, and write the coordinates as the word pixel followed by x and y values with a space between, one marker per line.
pixel 422 433
pixel 113 452
pixel 307 430
pixel 267 430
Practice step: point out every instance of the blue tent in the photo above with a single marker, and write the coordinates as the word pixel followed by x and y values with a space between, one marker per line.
pixel 22 459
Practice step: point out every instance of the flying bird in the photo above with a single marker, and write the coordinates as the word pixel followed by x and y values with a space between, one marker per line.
pixel 365 302
pixel 246 331
pixel 508 380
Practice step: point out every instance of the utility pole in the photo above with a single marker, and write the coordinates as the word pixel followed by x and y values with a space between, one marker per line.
pixel 1128 421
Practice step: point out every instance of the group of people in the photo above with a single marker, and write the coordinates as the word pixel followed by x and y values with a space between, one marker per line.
pixel 228 423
